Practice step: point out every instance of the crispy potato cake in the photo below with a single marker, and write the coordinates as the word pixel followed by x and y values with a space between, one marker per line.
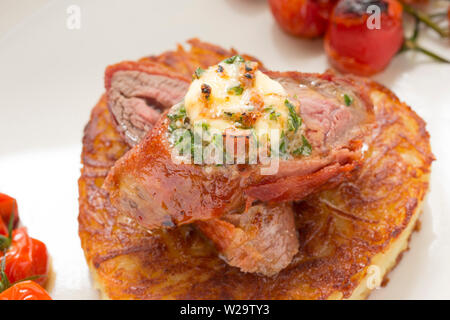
pixel 346 233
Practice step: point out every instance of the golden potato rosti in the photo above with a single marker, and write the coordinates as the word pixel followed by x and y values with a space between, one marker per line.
pixel 343 232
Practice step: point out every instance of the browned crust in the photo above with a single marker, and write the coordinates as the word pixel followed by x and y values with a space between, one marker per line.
pixel 385 280
pixel 341 230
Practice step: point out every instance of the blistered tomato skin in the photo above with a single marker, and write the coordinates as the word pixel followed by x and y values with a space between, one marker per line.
pixel 26 290
pixel 8 205
pixel 26 257
pixel 355 45
pixel 303 18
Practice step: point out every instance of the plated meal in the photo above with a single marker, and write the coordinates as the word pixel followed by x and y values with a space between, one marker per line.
pixel 207 175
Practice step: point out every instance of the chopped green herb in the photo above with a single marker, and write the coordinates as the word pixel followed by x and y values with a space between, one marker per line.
pixel 179 114
pixel 196 146
pixel 198 72
pixel 348 100
pixel 294 121
pixel 283 147
pixel 180 140
pixel 237 90
pixel 283 144
pixel 305 149
pixel 205 126
pixel 233 59
pixel 172 127
pixel 274 115
pixel 184 141
pixel 217 140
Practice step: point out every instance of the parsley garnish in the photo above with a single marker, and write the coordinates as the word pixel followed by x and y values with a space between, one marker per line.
pixel 274 115
pixel 185 142
pixel 237 90
pixel 233 59
pixel 205 126
pixel 180 140
pixel 198 72
pixel 348 100
pixel 179 114
pixel 305 149
pixel 294 121
pixel 172 127
pixel 283 144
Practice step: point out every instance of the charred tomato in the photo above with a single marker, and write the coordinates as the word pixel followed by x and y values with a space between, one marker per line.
pixel 364 35
pixel 303 18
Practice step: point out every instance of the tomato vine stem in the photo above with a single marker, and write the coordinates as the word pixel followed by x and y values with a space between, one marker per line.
pixel 426 19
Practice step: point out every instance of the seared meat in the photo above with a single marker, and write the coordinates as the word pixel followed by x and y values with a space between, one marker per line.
pixel 263 239
pixel 149 186
pixel 333 107
pixel 138 93
pixel 160 193
pixel 334 130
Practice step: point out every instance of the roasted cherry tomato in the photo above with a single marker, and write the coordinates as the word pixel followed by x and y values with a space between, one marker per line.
pixel 3 228
pixel 362 43
pixel 26 290
pixel 26 257
pixel 304 18
pixel 8 205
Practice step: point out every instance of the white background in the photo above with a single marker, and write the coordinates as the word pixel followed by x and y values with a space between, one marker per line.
pixel 51 77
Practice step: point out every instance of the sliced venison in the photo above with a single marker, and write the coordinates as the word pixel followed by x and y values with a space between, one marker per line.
pixel 138 93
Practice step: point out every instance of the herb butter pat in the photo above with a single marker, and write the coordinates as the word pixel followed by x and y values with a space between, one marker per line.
pixel 239 96
pixel 235 99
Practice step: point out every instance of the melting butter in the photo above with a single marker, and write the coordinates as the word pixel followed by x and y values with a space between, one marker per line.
pixel 235 95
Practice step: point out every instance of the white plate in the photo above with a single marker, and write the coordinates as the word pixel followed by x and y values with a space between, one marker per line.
pixel 51 77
